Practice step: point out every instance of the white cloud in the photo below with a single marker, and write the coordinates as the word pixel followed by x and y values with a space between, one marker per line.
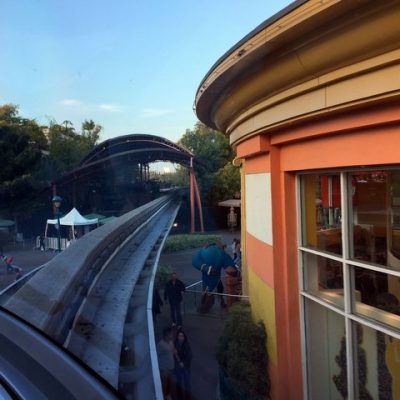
pixel 155 112
pixel 111 107
pixel 71 102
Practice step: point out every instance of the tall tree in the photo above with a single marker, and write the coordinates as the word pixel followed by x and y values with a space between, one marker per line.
pixel 226 184
pixel 90 135
pixel 91 131
pixel 22 146
pixel 220 179
pixel 67 147
pixel 209 145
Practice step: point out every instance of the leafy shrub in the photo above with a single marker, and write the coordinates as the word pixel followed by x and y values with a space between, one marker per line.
pixel 188 241
pixel 163 274
pixel 242 355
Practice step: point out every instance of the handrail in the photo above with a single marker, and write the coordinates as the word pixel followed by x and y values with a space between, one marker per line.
pixel 188 290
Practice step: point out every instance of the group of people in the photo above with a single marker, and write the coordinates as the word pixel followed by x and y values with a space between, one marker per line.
pixel 174 361
pixel 236 253
pixel 174 353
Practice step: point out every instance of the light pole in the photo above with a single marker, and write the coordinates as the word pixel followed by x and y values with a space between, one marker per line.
pixel 56 204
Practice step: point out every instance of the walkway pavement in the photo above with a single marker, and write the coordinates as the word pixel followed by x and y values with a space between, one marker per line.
pixel 24 257
pixel 203 330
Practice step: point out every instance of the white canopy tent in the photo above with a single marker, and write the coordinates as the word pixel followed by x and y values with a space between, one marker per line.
pixel 73 218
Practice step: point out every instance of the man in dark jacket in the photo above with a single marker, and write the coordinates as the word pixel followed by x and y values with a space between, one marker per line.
pixel 173 292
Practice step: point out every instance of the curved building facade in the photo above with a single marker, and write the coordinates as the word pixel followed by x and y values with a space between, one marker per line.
pixel 311 102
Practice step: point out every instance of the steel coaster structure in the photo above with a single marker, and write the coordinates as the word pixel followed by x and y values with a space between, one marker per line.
pixel 82 324
pixel 139 149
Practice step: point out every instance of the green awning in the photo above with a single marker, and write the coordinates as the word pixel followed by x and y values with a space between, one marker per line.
pixel 6 223
pixel 94 216
pixel 107 219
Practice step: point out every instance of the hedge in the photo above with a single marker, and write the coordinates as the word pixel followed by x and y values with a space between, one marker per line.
pixel 188 241
pixel 242 356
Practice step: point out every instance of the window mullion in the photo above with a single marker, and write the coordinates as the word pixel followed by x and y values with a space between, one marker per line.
pixel 347 284
pixel 301 234
pixel 345 243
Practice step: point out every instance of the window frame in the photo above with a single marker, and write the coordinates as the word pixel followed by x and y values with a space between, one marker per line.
pixel 348 264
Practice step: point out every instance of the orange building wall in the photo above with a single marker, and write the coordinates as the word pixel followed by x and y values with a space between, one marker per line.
pixel 276 266
pixel 296 108
pixel 260 257
pixel 372 146
pixel 272 272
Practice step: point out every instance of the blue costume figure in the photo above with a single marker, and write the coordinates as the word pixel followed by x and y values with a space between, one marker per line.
pixel 209 261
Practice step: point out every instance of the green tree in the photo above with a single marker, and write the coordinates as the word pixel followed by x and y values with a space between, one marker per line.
pixel 209 145
pixel 67 147
pixel 226 183
pixel 220 179
pixel 22 147
pixel 91 132
pixel 179 177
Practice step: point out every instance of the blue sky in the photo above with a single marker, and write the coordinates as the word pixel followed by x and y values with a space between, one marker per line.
pixel 133 66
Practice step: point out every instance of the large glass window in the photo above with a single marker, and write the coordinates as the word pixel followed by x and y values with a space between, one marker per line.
pixel 369 216
pixel 375 296
pixel 322 209
pixel 375 217
pixel 350 254
pixel 325 347
pixel 324 278
pixel 378 364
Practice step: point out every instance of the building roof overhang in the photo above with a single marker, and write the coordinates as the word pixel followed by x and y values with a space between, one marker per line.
pixel 297 50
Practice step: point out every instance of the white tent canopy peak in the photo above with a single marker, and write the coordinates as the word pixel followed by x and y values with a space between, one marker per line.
pixel 73 218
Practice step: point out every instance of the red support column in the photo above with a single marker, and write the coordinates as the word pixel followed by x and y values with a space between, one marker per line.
pixel 194 198
pixel 192 205
pixel 198 200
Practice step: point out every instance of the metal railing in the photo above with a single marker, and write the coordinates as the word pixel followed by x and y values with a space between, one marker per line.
pixel 195 297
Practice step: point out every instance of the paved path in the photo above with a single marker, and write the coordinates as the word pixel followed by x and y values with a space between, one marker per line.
pixel 25 258
pixel 202 330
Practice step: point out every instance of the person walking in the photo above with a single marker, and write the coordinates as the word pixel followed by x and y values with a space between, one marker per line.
pixel 157 303
pixel 234 247
pixel 238 259
pixel 166 353
pixel 183 359
pixel 42 246
pixel 173 291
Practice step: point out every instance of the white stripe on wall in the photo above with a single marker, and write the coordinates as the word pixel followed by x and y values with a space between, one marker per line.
pixel 258 206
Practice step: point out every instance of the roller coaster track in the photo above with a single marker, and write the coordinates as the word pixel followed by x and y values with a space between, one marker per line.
pixel 93 303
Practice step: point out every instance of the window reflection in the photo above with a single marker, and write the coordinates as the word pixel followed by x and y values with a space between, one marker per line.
pixel 378 364
pixel 394 220
pixel 372 226
pixel 376 217
pixel 324 278
pixel 326 352
pixel 377 296
pixel 370 215
pixel 322 212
